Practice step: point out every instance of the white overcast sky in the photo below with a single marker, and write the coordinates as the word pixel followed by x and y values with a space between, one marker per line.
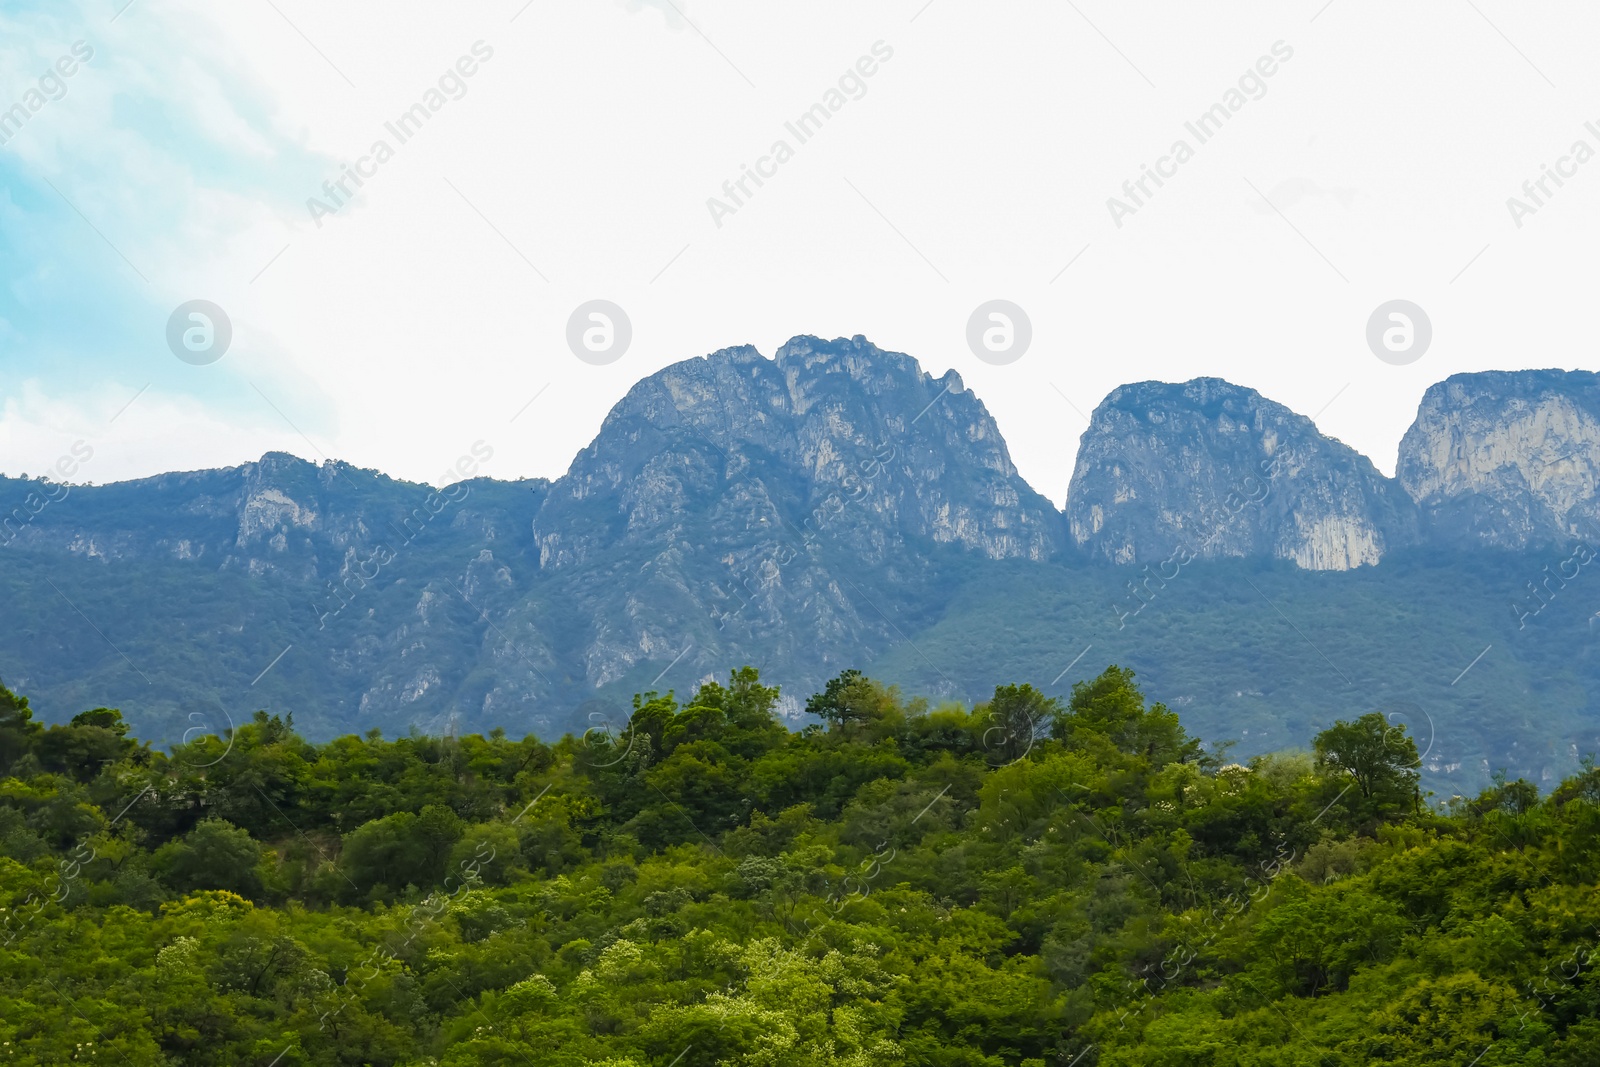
pixel 976 166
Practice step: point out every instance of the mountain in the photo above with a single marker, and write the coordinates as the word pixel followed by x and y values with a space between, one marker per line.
pixel 800 512
pixel 1214 470
pixel 1507 459
pixel 175 592
pixel 750 496
pixel 833 507
pixel 1496 459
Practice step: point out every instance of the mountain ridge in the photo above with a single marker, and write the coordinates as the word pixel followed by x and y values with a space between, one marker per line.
pixel 1539 397
pixel 1564 404
pixel 833 506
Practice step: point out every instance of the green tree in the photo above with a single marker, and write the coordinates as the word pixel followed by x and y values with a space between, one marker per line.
pixel 402 849
pixel 1112 706
pixel 1019 716
pixel 214 855
pixel 852 703
pixel 87 745
pixel 839 703
pixel 1378 759
pixel 18 731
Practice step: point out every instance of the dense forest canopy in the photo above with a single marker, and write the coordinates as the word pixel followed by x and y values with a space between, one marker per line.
pixel 1025 882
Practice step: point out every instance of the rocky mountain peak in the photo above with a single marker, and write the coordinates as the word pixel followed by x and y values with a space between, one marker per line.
pixel 1506 459
pixel 1207 469
pixel 734 433
pixel 753 496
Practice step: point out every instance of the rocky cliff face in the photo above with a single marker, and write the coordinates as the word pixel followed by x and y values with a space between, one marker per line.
pixel 1208 470
pixel 271 514
pixel 773 441
pixel 1507 459
pixel 755 493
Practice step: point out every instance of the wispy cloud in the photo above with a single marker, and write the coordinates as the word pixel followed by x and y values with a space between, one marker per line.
pixel 151 172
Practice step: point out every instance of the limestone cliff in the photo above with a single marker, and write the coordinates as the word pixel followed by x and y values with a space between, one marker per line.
pixel 1207 469
pixel 746 490
pixel 1506 459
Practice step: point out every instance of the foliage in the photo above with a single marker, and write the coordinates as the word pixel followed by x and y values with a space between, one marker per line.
pixel 1021 882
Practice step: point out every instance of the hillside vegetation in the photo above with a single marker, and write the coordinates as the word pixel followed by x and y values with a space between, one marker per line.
pixel 1024 882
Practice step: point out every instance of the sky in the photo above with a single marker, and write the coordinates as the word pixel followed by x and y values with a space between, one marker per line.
pixel 592 153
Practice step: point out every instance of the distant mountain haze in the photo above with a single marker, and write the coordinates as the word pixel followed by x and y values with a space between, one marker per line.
pixel 836 506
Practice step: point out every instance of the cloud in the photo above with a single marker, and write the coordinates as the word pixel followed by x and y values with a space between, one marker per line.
pixel 161 174
pixel 1293 190
pixel 129 430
